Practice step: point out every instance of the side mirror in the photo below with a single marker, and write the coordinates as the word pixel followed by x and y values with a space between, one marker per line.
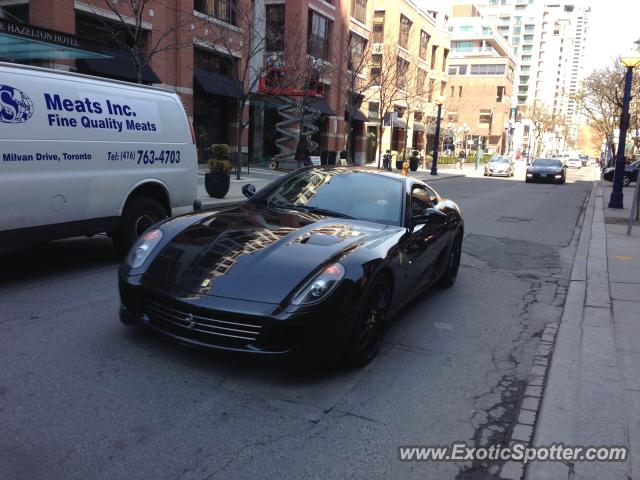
pixel 428 216
pixel 249 190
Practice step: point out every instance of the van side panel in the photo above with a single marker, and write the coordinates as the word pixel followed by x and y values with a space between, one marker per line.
pixel 72 147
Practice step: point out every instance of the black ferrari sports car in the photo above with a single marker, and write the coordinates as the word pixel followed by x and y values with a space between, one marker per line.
pixel 546 170
pixel 310 267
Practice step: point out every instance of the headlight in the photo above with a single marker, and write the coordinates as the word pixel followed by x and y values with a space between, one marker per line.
pixel 145 245
pixel 529 174
pixel 558 176
pixel 320 286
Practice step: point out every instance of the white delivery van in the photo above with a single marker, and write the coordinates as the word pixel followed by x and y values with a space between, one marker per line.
pixel 81 155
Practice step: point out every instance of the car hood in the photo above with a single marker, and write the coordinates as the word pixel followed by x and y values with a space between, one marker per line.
pixel 252 253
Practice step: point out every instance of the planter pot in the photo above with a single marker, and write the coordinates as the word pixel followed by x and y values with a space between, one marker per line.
pixel 217 184
pixel 413 164
pixel 399 164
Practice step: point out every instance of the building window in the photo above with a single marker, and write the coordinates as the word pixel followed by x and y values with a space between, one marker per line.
pixel 402 66
pixel 376 68
pixel 485 117
pixel 275 28
pixel 491 69
pixel 405 30
pixel 434 53
pixel 357 47
pixel 443 85
pixel 500 94
pixel 212 62
pixel 445 55
pixel 453 91
pixel 378 27
pixel 452 117
pixel 359 10
pixel 432 85
pixel 457 69
pixel 224 10
pixel 318 35
pixel 460 91
pixel 424 44
pixel 421 78
pixel 374 110
pixel 417 116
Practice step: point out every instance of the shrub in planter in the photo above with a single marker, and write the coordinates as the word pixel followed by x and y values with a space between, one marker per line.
pixel 414 160
pixel 217 181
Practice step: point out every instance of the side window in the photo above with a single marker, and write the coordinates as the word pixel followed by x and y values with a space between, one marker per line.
pixel 420 201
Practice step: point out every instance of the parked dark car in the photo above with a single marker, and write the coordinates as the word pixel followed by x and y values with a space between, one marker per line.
pixel 546 170
pixel 630 173
pixel 311 266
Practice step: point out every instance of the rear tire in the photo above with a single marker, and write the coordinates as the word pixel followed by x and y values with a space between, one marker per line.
pixel 138 216
pixel 368 330
pixel 450 274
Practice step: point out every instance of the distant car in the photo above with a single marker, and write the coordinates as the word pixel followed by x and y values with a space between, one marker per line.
pixel 584 159
pixel 574 162
pixel 630 173
pixel 546 170
pixel 499 166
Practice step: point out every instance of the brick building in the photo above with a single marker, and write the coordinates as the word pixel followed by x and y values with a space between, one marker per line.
pixel 481 69
pixel 203 44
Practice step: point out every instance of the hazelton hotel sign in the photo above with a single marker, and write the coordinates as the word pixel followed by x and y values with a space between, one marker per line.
pixel 39 34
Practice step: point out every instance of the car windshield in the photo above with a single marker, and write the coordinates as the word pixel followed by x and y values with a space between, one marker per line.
pixel 499 160
pixel 547 162
pixel 359 195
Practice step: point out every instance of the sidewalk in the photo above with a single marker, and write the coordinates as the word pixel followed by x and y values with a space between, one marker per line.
pixel 592 391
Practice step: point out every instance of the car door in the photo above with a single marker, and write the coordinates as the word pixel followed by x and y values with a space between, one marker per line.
pixel 424 241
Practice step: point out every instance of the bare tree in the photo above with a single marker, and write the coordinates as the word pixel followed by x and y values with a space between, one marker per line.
pixel 246 53
pixel 128 31
pixel 411 79
pixel 356 81
pixel 541 119
pixel 600 99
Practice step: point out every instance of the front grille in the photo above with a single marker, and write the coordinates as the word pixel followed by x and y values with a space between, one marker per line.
pixel 199 324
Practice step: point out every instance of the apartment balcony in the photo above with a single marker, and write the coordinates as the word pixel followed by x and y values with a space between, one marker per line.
pixel 486 51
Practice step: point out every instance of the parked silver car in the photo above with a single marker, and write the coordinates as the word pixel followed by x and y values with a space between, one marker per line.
pixel 499 166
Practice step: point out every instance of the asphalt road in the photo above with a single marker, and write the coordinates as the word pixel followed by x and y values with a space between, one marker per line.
pixel 83 397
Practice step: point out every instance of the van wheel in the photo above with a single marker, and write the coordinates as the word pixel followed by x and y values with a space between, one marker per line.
pixel 138 216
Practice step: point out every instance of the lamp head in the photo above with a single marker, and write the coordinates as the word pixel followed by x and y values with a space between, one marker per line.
pixel 630 59
pixel 439 100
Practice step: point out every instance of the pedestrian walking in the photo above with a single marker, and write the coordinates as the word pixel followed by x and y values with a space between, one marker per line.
pixel 386 161
pixel 461 158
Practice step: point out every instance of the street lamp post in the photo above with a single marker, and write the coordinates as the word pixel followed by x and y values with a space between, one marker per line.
pixel 434 164
pixel 616 199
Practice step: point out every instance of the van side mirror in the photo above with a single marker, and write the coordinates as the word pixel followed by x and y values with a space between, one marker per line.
pixel 249 190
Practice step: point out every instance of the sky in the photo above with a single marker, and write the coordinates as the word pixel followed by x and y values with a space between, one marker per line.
pixel 615 25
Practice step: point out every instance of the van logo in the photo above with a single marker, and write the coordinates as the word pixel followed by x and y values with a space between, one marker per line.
pixel 15 105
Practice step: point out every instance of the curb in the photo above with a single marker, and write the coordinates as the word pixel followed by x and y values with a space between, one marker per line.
pixel 531 406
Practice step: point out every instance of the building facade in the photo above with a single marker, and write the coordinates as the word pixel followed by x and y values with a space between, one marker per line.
pixel 481 73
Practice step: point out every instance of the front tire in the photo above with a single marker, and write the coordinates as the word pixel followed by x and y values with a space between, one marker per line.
pixel 138 216
pixel 367 333
pixel 450 274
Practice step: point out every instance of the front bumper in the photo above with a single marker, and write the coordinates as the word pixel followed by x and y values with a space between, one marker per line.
pixel 551 177
pixel 498 174
pixel 236 325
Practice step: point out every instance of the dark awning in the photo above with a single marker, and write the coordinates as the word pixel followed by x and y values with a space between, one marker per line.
pixel 321 104
pixel 418 127
pixel 217 84
pixel 400 123
pixel 120 66
pixel 358 116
